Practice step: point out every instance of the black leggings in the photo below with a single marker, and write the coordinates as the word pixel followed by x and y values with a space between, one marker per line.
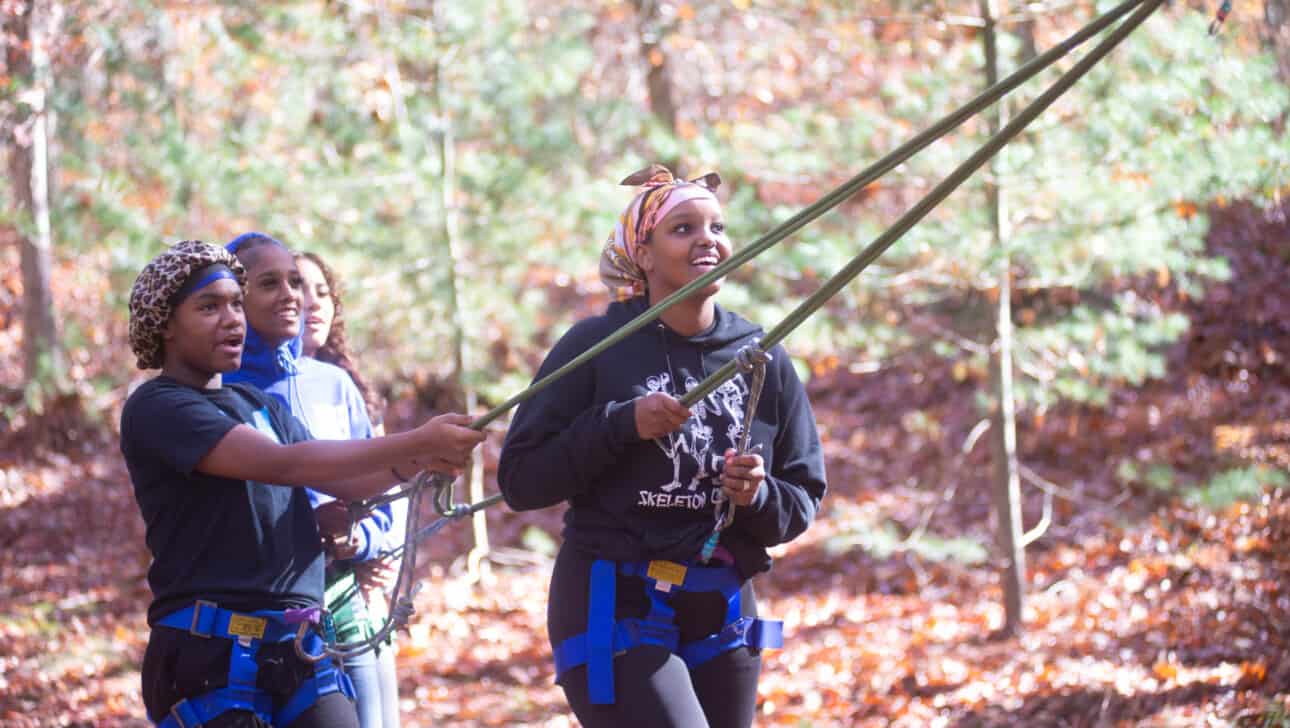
pixel 330 710
pixel 180 665
pixel 654 688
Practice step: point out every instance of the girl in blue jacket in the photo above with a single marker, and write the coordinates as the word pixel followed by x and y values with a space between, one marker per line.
pixel 645 631
pixel 326 400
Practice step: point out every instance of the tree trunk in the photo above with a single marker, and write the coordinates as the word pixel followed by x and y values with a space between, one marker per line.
pixel 1025 32
pixel 477 558
pixel 28 61
pixel 1003 430
pixel 1276 34
pixel 658 75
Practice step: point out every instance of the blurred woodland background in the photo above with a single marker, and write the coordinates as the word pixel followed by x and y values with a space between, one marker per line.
pixel 1057 412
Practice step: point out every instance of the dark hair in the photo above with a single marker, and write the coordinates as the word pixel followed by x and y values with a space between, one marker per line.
pixel 336 350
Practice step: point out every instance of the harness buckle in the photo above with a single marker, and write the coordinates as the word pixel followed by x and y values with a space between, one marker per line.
pixel 652 632
pixel 182 713
pixel 737 630
pixel 198 606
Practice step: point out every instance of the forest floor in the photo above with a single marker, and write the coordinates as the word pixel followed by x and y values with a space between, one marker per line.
pixel 1154 598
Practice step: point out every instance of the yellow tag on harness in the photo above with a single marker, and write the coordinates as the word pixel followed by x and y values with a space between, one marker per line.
pixel 244 626
pixel 666 572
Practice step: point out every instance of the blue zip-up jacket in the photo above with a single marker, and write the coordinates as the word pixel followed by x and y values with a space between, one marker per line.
pixel 632 499
pixel 324 398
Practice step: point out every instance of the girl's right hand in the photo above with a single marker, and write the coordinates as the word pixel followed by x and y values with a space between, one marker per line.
pixel 449 439
pixel 658 414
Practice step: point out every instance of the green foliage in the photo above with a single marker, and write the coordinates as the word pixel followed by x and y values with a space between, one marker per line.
pixel 323 124
pixel 1238 484
pixel 883 541
pixel 1158 476
pixel 323 127
pixel 1092 346
pixel 1274 714
pixel 1221 490
pixel 1103 189
pixel 539 541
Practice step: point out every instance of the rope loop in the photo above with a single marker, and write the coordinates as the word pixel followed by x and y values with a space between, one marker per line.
pixel 401 611
pixel 751 361
pixel 750 357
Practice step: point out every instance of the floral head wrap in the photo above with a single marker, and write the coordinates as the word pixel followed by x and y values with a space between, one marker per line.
pixel 153 297
pixel 663 192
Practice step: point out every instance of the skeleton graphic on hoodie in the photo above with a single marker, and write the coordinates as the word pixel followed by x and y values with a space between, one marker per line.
pixel 630 499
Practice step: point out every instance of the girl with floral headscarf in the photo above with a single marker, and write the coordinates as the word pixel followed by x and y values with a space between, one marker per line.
pixel 646 631
pixel 218 471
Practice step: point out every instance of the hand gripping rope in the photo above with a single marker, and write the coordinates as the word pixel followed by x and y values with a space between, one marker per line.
pixel 442 487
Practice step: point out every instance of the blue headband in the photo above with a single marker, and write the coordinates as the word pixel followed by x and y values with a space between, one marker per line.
pixel 251 237
pixel 195 284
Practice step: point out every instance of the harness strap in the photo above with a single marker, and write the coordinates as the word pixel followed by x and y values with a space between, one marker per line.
pixel 628 632
pixel 207 619
pixel 693 578
pixel 194 712
pixel 606 637
pixel 325 680
pixel 752 632
pixel 247 632
pixel 600 633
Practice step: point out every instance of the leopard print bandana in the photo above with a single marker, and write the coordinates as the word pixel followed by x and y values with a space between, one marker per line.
pixel 157 284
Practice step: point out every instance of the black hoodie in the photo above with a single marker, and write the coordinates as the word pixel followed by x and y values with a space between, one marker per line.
pixel 634 499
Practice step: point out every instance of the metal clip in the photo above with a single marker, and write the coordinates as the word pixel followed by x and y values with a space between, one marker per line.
pixel 198 606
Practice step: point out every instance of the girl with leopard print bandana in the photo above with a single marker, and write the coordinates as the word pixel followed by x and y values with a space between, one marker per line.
pixel 219 473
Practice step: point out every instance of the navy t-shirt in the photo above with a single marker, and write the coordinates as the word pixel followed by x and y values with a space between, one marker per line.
pixel 242 544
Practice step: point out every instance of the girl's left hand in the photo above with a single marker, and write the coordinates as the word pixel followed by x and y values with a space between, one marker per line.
pixel 341 548
pixel 333 519
pixel 742 477
pixel 339 534
pixel 376 575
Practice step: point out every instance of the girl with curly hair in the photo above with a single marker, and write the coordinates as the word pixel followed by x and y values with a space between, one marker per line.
pixel 323 338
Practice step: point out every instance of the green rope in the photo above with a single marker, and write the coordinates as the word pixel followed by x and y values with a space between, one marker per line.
pixel 844 192
pixel 931 200
pixel 826 203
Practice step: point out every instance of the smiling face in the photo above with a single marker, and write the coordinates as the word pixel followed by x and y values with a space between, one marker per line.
pixel 319 307
pixel 688 242
pixel 205 334
pixel 273 293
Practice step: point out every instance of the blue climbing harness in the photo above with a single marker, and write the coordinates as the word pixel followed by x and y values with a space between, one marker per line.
pixel 606 637
pixel 247 632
